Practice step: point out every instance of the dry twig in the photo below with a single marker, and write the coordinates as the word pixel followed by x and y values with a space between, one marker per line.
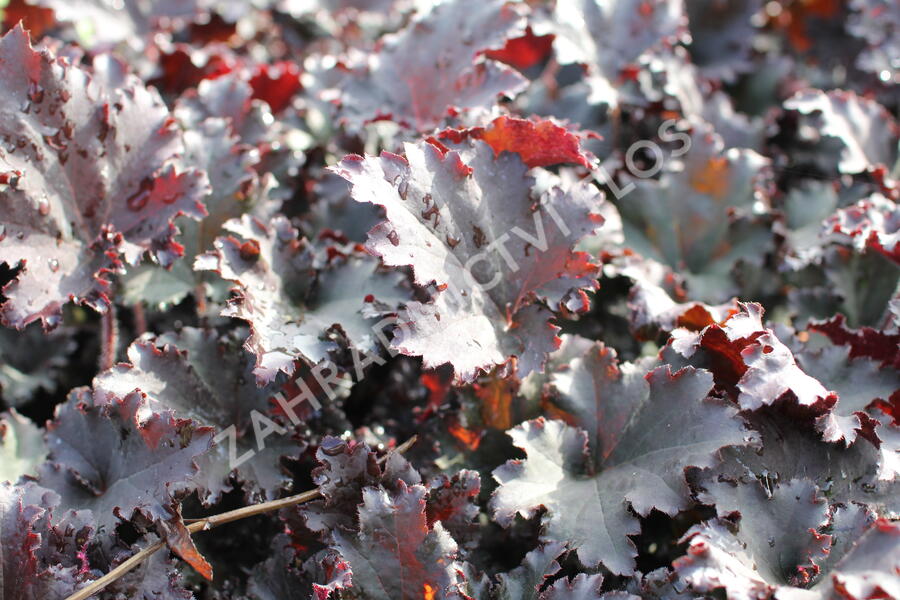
pixel 207 523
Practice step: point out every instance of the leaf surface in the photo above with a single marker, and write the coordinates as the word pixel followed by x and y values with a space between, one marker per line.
pixel 443 219
pixel 430 67
pixel 90 179
pixel 671 428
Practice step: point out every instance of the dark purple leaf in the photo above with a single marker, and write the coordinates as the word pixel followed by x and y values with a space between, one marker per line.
pixel 89 178
pixel 610 37
pixel 346 469
pixel 671 428
pixel 286 575
pixel 129 21
pixel 780 551
pixel 451 500
pixel 865 133
pixel 26 571
pixel 210 380
pixel 296 310
pixel 22 446
pixel 869 569
pixel 122 459
pixel 156 578
pixel 722 36
pixel 32 360
pixel 396 555
pixel 793 449
pixel 876 22
pixel 430 66
pixel 476 231
pixel 702 216
pixel 745 354
pixel 525 581
pixel 580 587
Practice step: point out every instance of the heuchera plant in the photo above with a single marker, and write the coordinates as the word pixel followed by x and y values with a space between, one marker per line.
pixel 469 299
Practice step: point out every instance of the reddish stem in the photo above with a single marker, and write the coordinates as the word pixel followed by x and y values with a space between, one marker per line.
pixel 140 319
pixel 200 299
pixel 109 338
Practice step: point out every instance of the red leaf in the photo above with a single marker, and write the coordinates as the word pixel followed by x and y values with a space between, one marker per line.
pixel 36 19
pixel 185 67
pixel 497 396
pixel 525 51
pixel 539 143
pixel 180 542
pixel 276 84
pixel 865 341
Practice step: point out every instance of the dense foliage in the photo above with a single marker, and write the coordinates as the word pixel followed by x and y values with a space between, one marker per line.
pixel 628 269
